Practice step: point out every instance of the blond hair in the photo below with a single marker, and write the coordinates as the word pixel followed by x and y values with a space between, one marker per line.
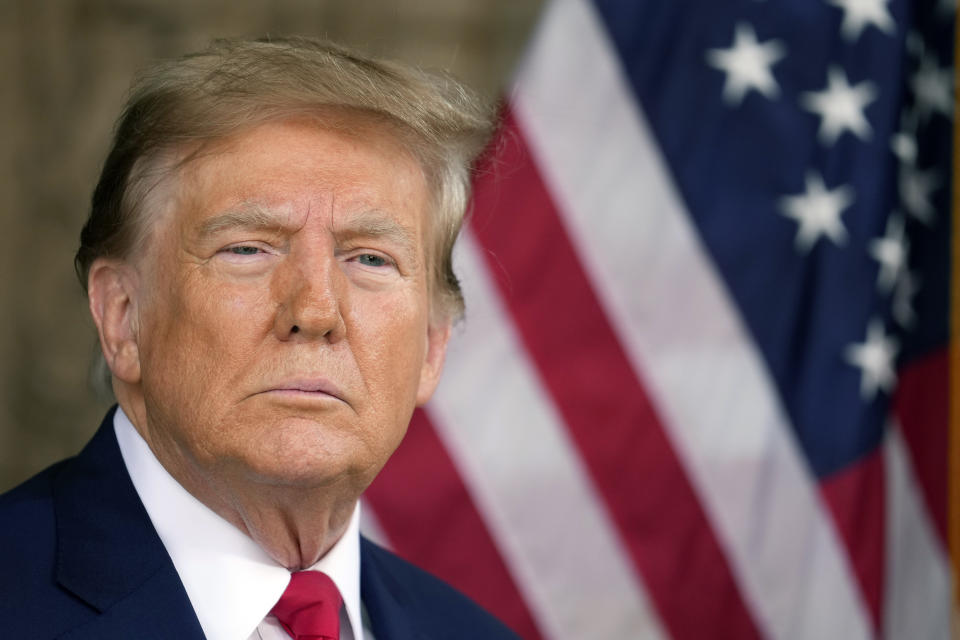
pixel 235 84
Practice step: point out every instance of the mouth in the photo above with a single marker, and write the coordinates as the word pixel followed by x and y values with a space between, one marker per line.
pixel 306 388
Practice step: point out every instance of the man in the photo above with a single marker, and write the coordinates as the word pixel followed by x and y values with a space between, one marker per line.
pixel 268 265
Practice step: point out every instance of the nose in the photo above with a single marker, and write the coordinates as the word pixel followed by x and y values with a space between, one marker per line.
pixel 312 297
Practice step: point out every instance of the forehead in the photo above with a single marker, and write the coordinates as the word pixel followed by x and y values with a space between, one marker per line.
pixel 302 170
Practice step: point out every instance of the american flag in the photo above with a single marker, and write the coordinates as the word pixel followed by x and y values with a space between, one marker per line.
pixel 701 388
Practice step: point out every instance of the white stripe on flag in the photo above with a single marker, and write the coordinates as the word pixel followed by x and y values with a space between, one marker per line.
pixel 917 598
pixel 681 331
pixel 515 457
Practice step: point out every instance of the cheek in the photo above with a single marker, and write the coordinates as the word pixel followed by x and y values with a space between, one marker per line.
pixel 203 332
pixel 390 347
pixel 226 311
pixel 200 345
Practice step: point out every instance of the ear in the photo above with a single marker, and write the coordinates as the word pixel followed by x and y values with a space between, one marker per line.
pixel 112 289
pixel 438 334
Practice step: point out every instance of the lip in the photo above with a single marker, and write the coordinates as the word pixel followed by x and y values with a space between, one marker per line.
pixel 307 387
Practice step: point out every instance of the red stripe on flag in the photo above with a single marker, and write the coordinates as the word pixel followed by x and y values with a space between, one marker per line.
pixel 603 402
pixel 856 496
pixel 428 515
pixel 921 405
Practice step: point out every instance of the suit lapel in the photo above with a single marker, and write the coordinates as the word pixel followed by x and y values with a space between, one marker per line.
pixel 156 610
pixel 108 553
pixel 384 598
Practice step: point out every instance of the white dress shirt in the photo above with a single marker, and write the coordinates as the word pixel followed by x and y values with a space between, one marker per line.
pixel 231 582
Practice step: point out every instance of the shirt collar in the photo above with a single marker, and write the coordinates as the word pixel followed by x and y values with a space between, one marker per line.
pixel 231 582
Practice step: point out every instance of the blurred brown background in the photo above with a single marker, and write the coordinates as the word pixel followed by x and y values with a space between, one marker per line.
pixel 65 67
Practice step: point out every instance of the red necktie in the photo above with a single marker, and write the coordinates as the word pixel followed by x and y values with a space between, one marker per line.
pixel 310 607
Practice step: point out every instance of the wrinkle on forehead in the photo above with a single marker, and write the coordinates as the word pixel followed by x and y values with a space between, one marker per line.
pixel 172 165
pixel 313 191
pixel 248 215
pixel 345 228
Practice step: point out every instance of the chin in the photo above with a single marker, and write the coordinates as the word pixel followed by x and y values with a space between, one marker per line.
pixel 306 467
pixel 300 451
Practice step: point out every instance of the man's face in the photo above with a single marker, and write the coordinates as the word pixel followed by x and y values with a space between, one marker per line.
pixel 284 322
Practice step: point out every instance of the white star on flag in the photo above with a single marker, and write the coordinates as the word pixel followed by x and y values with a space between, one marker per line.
pixel 858 14
pixel 916 191
pixel 903 312
pixel 904 146
pixel 914 43
pixel 891 252
pixel 904 142
pixel 817 212
pixel 933 87
pixel 747 65
pixel 840 106
pixel 875 358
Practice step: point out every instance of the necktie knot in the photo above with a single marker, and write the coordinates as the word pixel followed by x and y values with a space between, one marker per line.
pixel 309 609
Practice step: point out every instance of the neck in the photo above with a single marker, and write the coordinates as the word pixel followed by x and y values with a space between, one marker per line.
pixel 296 531
pixel 295 525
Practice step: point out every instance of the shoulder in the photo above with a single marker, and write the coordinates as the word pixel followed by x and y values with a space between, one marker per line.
pixel 29 593
pixel 438 609
pixel 27 512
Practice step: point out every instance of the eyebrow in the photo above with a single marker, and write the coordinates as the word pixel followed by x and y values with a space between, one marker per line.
pixel 375 224
pixel 367 224
pixel 249 216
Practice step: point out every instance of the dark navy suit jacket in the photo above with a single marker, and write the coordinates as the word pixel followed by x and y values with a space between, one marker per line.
pixel 79 558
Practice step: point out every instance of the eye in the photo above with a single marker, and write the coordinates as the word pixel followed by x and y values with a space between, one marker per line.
pixel 371 260
pixel 243 250
pixel 246 254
